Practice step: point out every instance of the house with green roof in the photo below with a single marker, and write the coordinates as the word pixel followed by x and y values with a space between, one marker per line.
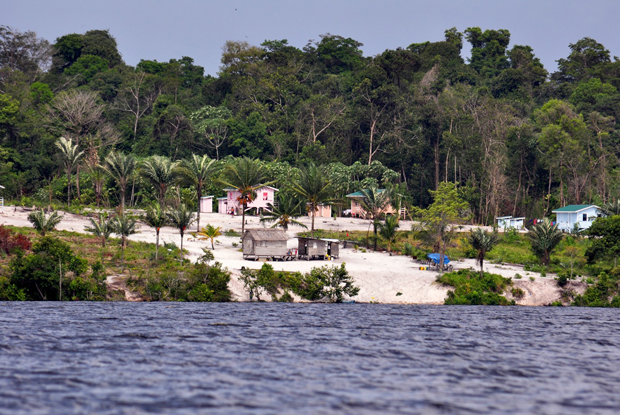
pixel 580 215
pixel 356 205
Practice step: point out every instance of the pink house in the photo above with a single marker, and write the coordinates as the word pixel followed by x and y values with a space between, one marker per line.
pixel 265 196
pixel 358 211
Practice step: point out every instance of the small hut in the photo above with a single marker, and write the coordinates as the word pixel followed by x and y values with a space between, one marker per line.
pixel 313 248
pixel 264 243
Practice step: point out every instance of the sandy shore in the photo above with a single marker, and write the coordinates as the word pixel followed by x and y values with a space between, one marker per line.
pixel 382 278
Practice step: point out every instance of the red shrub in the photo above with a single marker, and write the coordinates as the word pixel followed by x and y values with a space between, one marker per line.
pixel 10 241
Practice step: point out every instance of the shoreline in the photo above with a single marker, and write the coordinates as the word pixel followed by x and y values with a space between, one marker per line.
pixel 381 277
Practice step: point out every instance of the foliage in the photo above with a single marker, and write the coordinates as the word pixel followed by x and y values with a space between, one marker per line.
pixel 209 232
pixel 156 217
pixel 544 237
pixel 440 220
pixel 181 218
pixel 284 213
pixel 39 273
pixel 10 242
pixel 482 241
pixel 43 223
pixel 471 288
pixel 604 293
pixel 388 231
pixel 314 188
pixel 605 235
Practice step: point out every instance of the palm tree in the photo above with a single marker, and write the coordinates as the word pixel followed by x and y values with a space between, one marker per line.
pixel 483 242
pixel 100 228
pixel 313 187
pixel 181 219
pixel 544 237
pixel 43 223
pixel 98 178
pixel 610 208
pixel 156 218
pixel 160 172
pixel 121 167
pixel 284 213
pixel 124 226
pixel 246 176
pixel 70 158
pixel 388 230
pixel 197 171
pixel 210 232
pixel 374 202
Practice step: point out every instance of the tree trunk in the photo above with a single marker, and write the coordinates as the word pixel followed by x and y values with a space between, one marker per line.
pixel 199 194
pixel 156 244
pixel 77 182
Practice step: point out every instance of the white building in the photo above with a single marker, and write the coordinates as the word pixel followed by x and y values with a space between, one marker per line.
pixel 507 222
pixel 582 215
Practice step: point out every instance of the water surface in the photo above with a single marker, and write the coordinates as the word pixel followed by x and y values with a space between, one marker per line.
pixel 133 358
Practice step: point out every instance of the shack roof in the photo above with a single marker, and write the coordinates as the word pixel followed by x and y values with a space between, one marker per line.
pixel 266 234
pixel 360 194
pixel 573 208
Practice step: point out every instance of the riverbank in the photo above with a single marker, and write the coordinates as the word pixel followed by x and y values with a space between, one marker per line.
pixel 382 278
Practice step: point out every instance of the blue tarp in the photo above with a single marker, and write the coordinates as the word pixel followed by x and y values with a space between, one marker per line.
pixel 436 258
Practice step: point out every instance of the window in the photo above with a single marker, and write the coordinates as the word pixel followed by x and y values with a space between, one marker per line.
pixel 585 217
pixel 265 194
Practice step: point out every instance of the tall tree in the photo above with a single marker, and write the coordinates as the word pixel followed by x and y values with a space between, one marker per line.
pixel 198 171
pixel 212 124
pixel 156 218
pixel 70 158
pixel 121 167
pixel 160 172
pixel 314 188
pixel 482 241
pixel 374 203
pixel 181 218
pixel 124 226
pixel 246 176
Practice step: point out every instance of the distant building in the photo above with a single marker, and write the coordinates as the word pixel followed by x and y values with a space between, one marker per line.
pixel 356 205
pixel 265 196
pixel 206 204
pixel 314 248
pixel 264 243
pixel 322 211
pixel 507 222
pixel 582 215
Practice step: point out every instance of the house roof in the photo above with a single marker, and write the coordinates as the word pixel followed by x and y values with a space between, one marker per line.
pixel 573 208
pixel 504 217
pixel 360 194
pixel 266 234
pixel 230 189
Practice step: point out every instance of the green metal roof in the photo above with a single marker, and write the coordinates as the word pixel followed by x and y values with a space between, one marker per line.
pixel 360 194
pixel 573 208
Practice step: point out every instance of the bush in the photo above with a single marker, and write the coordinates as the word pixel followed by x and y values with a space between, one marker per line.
pixel 604 293
pixel 471 288
pixel 562 280
pixel 517 293
pixel 10 241
pixel 38 274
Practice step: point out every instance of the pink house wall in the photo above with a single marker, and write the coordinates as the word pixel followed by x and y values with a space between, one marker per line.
pixel 264 197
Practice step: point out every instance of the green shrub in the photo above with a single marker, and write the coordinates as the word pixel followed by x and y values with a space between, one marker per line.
pixel 604 293
pixel 517 292
pixel 471 288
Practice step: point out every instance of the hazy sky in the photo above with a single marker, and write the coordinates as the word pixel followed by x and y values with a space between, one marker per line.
pixel 161 30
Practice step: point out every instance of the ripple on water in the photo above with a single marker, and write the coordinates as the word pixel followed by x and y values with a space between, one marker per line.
pixel 306 359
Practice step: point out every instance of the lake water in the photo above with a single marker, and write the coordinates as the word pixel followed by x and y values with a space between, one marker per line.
pixel 133 358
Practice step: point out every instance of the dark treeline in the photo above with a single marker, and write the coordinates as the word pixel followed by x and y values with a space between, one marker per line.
pixel 516 139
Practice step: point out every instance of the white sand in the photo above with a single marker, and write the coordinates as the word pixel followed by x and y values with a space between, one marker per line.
pixel 381 277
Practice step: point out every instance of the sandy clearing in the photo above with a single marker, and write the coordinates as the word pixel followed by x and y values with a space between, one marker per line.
pixel 382 278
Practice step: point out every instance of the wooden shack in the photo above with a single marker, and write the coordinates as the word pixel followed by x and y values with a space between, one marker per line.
pixel 313 248
pixel 265 243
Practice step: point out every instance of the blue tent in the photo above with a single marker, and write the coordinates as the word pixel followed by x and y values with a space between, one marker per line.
pixel 437 258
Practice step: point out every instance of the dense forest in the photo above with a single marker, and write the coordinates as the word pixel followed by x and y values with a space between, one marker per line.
pixel 515 138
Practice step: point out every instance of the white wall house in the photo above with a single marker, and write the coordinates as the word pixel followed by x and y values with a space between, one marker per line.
pixel 582 215
pixel 507 222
